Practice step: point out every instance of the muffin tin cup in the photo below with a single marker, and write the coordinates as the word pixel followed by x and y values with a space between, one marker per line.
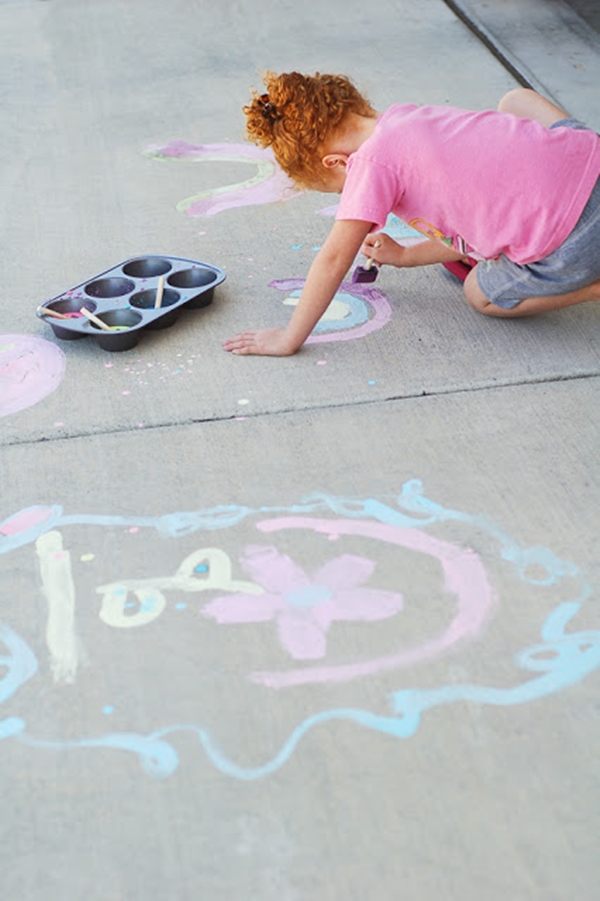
pixel 124 299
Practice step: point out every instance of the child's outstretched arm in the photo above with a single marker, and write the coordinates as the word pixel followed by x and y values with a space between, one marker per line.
pixel 324 278
pixel 387 252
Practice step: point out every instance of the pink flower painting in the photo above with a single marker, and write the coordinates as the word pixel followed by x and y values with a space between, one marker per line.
pixel 304 608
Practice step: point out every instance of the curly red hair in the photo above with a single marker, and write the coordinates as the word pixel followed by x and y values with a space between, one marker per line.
pixel 297 117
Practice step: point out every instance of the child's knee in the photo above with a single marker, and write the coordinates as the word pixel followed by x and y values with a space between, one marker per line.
pixel 474 295
pixel 514 99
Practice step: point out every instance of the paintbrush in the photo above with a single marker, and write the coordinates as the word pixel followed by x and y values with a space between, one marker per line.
pixel 95 320
pixel 368 272
pixel 159 292
pixel 46 311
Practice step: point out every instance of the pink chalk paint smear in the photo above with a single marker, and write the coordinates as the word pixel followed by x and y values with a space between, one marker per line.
pixel 30 370
pixel 268 184
pixel 305 607
pixel 464 577
pixel 24 520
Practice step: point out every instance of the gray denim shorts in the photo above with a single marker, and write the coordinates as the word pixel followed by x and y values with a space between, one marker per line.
pixel 573 265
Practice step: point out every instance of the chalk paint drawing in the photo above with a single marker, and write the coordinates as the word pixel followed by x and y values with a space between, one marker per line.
pixel 303 607
pixel 30 370
pixel 268 184
pixel 356 310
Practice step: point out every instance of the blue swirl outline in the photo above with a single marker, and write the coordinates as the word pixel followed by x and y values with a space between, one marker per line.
pixel 561 658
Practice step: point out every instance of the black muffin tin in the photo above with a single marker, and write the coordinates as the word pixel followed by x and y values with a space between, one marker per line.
pixel 124 296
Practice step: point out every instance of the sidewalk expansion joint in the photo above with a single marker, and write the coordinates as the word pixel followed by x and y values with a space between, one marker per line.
pixel 314 408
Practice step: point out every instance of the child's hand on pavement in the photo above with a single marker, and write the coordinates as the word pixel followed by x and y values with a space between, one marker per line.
pixel 382 249
pixel 268 342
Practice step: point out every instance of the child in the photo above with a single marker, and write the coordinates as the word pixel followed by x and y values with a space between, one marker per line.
pixel 513 193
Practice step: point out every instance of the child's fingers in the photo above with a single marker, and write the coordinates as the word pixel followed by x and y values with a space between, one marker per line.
pixel 241 344
pixel 370 247
pixel 272 342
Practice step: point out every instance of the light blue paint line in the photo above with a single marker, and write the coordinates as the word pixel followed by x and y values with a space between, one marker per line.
pixel 157 758
pixel 572 656
pixel 411 702
pixel 411 501
pixel 388 516
pixel 524 559
pixel 390 725
pixel 21 663
pixel 175 525
pixel 359 313
pixel 554 627
pixel 11 726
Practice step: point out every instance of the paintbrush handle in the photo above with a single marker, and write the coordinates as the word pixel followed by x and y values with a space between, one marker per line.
pixel 46 311
pixel 370 260
pixel 95 320
pixel 159 292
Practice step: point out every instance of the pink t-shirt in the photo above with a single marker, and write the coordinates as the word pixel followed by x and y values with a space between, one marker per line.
pixel 485 183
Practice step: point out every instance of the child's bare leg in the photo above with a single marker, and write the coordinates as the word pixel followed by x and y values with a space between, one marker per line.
pixel 531 305
pixel 529 104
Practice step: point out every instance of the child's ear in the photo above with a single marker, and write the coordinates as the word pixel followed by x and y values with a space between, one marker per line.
pixel 333 160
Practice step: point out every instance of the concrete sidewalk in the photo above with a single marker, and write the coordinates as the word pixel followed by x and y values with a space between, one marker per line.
pixel 320 627
pixel 552 46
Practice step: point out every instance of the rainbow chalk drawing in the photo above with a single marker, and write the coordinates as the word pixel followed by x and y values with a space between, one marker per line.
pixel 30 370
pixel 304 609
pixel 269 184
pixel 357 310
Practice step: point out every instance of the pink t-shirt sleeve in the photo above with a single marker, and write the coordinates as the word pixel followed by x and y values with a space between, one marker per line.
pixel 373 190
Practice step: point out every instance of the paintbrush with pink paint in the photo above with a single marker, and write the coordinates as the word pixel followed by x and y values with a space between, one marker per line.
pixel 54 314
